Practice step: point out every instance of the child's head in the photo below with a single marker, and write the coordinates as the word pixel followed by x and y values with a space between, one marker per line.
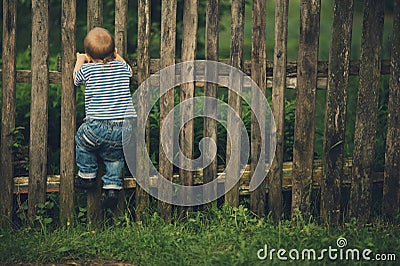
pixel 99 45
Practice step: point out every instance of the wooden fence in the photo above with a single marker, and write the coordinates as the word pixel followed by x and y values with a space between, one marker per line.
pixel 305 76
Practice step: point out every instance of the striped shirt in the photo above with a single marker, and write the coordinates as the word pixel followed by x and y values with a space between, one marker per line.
pixel 107 93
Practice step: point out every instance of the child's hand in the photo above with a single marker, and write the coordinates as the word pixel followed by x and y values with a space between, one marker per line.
pixel 81 58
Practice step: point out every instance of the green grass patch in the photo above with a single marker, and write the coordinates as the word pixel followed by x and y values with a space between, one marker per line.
pixel 225 236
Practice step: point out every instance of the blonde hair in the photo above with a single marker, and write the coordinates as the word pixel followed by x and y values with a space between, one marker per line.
pixel 99 44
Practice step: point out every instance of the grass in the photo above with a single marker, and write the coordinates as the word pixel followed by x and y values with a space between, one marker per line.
pixel 225 236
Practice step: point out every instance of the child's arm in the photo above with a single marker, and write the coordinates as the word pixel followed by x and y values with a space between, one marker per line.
pixel 119 58
pixel 80 60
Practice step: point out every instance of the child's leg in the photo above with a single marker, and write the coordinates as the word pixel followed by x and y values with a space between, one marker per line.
pixel 114 163
pixel 86 162
pixel 85 152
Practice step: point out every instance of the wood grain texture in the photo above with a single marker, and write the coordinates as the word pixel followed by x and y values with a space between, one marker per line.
pixel 367 109
pixel 336 104
pixel 391 188
pixel 304 129
pixel 95 211
pixel 142 167
pixel 8 109
pixel 186 137
pixel 68 109
pixel 234 100
pixel 278 107
pixel 167 58
pixel 211 90
pixel 258 199
pixel 39 106
pixel 121 27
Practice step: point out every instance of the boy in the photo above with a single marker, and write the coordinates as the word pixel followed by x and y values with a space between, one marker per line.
pixel 108 102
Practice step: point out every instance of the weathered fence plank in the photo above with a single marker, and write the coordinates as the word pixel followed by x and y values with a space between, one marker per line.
pixel 95 212
pixel 304 129
pixel 142 167
pixel 68 108
pixel 211 90
pixel 391 188
pixel 189 42
pixel 259 75
pixel 94 14
pixel 39 114
pixel 367 108
pixel 8 108
pixel 167 58
pixel 336 101
pixel 278 107
pixel 121 27
pixel 121 41
pixel 234 100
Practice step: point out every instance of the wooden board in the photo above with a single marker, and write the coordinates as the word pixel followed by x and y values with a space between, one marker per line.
pixel 304 127
pixel 367 110
pixel 39 106
pixel 278 107
pixel 8 108
pixel 336 106
pixel 68 109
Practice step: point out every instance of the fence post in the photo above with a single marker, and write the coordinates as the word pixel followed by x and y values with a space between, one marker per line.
pixel 258 197
pixel 211 90
pixel 234 100
pixel 144 35
pixel 68 108
pixel 392 165
pixel 367 109
pixel 8 109
pixel 304 129
pixel 335 119
pixel 95 212
pixel 121 24
pixel 39 105
pixel 275 197
pixel 167 58
pixel 120 36
pixel 189 41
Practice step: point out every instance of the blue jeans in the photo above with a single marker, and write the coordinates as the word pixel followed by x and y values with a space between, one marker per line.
pixel 101 138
